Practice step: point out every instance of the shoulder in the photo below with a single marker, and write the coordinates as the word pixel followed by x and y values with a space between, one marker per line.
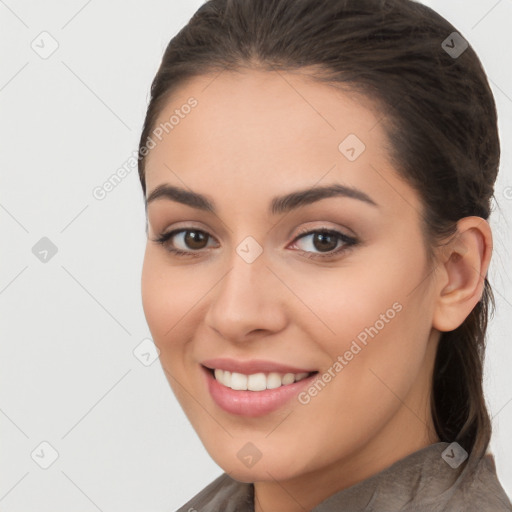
pixel 224 494
pixel 484 491
pixel 477 492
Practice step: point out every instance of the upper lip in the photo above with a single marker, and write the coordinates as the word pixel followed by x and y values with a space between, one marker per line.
pixel 251 366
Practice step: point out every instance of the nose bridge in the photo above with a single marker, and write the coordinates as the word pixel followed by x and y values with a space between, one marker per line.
pixel 243 300
pixel 243 287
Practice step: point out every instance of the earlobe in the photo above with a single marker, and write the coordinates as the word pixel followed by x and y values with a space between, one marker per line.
pixel 461 273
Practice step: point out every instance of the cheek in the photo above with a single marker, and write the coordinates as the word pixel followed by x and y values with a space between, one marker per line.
pixel 172 295
pixel 344 301
pixel 168 295
pixel 153 295
pixel 394 335
pixel 164 296
pixel 366 314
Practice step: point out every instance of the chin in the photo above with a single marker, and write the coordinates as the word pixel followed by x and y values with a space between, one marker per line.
pixel 263 470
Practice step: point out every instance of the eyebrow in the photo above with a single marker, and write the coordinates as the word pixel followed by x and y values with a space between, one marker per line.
pixel 278 205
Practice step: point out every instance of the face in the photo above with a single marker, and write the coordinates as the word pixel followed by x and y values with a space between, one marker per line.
pixel 280 274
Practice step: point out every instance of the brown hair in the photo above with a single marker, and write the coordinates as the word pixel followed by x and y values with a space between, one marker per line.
pixel 440 118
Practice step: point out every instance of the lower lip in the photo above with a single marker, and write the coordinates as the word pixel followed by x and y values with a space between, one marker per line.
pixel 252 403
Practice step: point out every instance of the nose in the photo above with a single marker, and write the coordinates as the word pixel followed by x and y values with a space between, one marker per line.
pixel 247 302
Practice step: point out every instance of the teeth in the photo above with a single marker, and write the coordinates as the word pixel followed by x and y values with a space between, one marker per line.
pixel 238 381
pixel 256 381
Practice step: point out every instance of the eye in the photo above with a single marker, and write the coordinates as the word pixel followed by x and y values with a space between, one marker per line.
pixel 326 241
pixel 184 242
pixel 192 241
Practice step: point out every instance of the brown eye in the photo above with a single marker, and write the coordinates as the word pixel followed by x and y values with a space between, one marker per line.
pixel 184 241
pixel 195 239
pixel 324 243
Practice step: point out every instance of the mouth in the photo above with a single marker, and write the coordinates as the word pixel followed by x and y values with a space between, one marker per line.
pixel 259 381
pixel 255 394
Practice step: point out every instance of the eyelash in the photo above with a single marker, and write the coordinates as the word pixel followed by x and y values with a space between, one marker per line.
pixel 349 242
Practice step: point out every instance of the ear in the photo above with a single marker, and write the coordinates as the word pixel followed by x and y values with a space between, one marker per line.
pixel 461 270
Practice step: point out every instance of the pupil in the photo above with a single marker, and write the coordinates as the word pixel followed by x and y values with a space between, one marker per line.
pixel 322 238
pixel 194 239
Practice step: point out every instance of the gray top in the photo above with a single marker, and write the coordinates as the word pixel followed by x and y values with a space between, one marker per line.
pixel 421 482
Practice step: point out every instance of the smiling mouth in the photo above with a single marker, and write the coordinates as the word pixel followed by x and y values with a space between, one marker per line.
pixel 260 381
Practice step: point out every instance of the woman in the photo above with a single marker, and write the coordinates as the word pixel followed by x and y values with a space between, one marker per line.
pixel 318 177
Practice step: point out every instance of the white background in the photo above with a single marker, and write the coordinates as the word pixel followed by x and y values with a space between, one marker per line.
pixel 69 326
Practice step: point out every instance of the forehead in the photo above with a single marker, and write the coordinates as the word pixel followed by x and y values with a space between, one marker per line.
pixel 282 113
pixel 272 130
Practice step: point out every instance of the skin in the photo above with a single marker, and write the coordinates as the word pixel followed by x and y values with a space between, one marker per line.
pixel 255 135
